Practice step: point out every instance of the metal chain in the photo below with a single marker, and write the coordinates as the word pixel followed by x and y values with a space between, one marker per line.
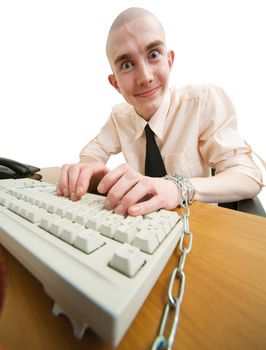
pixel 174 302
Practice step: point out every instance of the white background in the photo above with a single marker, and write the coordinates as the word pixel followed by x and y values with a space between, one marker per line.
pixel 54 93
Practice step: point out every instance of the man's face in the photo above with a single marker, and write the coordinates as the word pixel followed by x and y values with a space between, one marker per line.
pixel 140 63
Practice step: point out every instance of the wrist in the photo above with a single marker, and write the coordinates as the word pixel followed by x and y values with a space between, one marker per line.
pixel 185 187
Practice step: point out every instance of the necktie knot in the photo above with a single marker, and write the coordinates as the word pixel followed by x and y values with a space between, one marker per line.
pixel 148 131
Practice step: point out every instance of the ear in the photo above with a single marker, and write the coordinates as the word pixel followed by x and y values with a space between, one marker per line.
pixel 171 57
pixel 113 82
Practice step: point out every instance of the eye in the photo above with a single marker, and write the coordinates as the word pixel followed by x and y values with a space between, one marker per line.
pixel 127 65
pixel 154 54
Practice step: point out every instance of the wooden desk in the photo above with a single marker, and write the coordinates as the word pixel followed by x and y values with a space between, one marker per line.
pixel 224 305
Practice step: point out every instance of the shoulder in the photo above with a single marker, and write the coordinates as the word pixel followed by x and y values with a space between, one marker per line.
pixel 122 117
pixel 122 110
pixel 199 92
pixel 206 103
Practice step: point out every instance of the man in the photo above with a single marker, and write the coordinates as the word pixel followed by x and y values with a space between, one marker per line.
pixel 194 127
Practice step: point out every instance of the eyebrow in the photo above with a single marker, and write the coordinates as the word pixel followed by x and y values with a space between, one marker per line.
pixel 127 56
pixel 154 44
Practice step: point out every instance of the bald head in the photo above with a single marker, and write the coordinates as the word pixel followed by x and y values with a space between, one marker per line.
pixel 127 16
pixel 130 14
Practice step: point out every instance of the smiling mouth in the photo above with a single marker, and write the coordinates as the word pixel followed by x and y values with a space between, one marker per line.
pixel 147 93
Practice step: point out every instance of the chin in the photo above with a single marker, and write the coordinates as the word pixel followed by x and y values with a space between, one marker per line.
pixel 147 107
pixel 151 109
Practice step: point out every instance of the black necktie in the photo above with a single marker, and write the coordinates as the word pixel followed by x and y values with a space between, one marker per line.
pixel 154 165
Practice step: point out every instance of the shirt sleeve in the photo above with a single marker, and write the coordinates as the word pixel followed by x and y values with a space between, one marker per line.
pixel 220 144
pixel 103 145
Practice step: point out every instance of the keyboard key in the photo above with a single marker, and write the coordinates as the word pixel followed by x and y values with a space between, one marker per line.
pixel 5 199
pixel 171 216
pixel 96 219
pixel 146 240
pixel 127 259
pixel 58 201
pixel 73 211
pixel 70 232
pixel 134 220
pixel 34 214
pixel 57 226
pixel 162 224
pixel 46 221
pixel 126 232
pixel 63 208
pixel 109 226
pixel 88 240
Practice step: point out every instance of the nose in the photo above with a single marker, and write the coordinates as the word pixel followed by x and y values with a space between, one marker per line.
pixel 145 74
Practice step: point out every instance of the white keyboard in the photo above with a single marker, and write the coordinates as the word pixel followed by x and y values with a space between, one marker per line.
pixel 96 265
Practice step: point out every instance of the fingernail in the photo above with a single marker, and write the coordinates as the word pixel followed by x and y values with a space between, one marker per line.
pixel 66 193
pixel 119 209
pixel 100 188
pixel 135 211
pixel 108 205
pixel 58 191
pixel 79 190
pixel 73 196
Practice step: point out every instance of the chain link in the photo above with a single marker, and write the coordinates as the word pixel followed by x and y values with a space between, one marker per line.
pixel 178 275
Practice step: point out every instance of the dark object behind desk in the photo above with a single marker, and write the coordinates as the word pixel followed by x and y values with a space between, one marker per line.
pixel 251 206
pixel 11 169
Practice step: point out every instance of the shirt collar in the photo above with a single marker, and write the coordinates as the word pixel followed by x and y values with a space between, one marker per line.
pixel 156 122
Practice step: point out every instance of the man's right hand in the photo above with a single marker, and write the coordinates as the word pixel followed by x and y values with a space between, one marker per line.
pixel 76 179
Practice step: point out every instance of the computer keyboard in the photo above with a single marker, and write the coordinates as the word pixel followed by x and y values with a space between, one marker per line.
pixel 97 266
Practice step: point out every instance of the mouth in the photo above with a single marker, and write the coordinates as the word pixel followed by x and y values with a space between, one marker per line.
pixel 147 93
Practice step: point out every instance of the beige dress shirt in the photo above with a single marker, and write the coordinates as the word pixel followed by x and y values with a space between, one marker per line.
pixel 195 128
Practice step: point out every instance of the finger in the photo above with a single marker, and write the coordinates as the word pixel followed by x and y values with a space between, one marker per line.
pixel 112 177
pixel 141 188
pixel 86 174
pixel 146 207
pixel 73 175
pixel 62 186
pixel 164 195
pixel 120 192
pixel 122 186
